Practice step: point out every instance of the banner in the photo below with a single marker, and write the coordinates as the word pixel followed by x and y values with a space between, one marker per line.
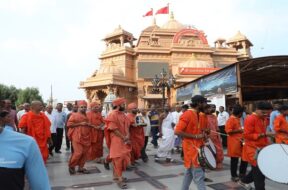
pixel 221 82
pixel 196 71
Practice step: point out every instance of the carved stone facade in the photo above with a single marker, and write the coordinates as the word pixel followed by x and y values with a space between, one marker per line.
pixel 183 51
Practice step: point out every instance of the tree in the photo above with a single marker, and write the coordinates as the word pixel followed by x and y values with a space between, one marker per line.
pixel 28 95
pixel 9 92
pixel 19 96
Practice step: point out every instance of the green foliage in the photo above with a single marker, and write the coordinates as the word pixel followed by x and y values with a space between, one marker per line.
pixel 28 95
pixel 9 92
pixel 19 96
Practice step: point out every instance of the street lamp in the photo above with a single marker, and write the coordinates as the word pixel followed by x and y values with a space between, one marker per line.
pixel 163 82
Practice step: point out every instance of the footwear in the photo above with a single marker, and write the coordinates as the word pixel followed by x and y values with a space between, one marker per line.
pixel 169 160
pixel 58 152
pixel 245 185
pixel 51 153
pixel 122 185
pixel 83 170
pixel 72 171
pixel 235 179
pixel 156 158
pixel 106 165
pixel 124 179
pixel 208 180
pixel 145 160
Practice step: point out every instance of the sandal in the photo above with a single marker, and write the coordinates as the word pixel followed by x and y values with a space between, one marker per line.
pixel 72 171
pixel 122 185
pixel 124 179
pixel 83 170
pixel 106 165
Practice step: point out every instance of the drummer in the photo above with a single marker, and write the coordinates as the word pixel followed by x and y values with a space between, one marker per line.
pixel 281 125
pixel 190 130
pixel 235 132
pixel 256 138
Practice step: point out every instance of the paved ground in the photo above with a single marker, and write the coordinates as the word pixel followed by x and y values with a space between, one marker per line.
pixel 147 176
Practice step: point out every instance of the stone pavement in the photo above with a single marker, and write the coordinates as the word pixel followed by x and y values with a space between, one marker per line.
pixel 147 176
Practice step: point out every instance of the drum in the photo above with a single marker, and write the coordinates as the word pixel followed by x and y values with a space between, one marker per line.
pixel 272 161
pixel 211 146
pixel 206 158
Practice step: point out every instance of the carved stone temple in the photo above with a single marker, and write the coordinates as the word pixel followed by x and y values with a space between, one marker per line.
pixel 128 64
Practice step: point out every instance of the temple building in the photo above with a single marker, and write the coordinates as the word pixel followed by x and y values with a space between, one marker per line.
pixel 128 65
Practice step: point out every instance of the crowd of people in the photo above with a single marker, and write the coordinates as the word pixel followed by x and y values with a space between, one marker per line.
pixel 36 132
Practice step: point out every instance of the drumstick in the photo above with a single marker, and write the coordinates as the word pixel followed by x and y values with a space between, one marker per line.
pixel 241 140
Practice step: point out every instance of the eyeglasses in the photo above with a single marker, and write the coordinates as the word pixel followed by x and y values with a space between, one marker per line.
pixel 83 106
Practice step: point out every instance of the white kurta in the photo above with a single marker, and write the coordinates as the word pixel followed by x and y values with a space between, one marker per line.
pixel 147 129
pixel 168 139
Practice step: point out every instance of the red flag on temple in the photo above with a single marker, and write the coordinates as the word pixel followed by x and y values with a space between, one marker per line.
pixel 149 13
pixel 164 10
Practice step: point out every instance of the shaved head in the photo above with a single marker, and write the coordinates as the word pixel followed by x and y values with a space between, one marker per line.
pixel 36 106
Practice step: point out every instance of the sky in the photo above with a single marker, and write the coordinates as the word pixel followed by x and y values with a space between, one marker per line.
pixel 58 42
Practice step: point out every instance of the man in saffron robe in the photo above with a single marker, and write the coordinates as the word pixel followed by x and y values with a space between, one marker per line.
pixel 136 133
pixel 214 136
pixel 281 125
pixel 256 138
pixel 117 138
pixel 235 132
pixel 192 134
pixel 37 125
pixel 95 118
pixel 79 132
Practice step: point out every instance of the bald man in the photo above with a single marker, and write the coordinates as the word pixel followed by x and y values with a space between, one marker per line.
pixel 37 125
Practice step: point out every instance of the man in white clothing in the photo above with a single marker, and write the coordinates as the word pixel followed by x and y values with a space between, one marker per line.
pixel 167 132
pixel 147 131
pixel 26 109
pixel 49 114
pixel 176 115
pixel 222 118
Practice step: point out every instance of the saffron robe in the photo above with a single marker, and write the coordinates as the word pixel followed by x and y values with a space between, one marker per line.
pixel 81 139
pixel 253 126
pixel 234 140
pixel 38 127
pixel 119 151
pixel 189 123
pixel 280 123
pixel 97 135
pixel 137 138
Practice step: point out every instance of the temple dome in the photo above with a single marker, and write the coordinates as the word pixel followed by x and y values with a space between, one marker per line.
pixel 238 37
pixel 172 24
pixel 110 69
pixel 194 63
